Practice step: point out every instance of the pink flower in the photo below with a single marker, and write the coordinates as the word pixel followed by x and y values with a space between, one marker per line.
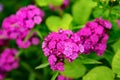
pixel 8 61
pixel 94 35
pixel 60 77
pixel 18 26
pixel 106 24
pixel 37 19
pixel 35 40
pixel 100 48
pixel 22 44
pixel 60 46
pixel 52 59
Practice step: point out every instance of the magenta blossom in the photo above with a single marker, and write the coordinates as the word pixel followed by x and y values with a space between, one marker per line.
pixel 8 61
pixel 19 25
pixel 60 46
pixel 25 44
pixel 60 77
pixel 94 36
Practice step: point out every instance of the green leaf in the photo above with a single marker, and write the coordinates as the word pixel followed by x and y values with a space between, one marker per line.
pixel 74 69
pixel 32 76
pixel 98 12
pixel 56 2
pixel 42 2
pixel 93 55
pixel 77 27
pixel 42 66
pixel 81 10
pixel 66 21
pixel 99 73
pixel 108 55
pixel 86 60
pixel 55 76
pixel 116 63
pixel 116 45
pixel 54 23
pixel 47 2
pixel 39 34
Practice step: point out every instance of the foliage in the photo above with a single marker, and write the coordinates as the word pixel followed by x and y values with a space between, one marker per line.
pixel 34 65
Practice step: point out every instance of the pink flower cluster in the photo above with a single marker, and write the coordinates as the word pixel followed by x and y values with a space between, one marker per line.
pixel 19 25
pixel 60 77
pixel 67 45
pixel 94 36
pixel 60 46
pixel 8 62
pixel 63 6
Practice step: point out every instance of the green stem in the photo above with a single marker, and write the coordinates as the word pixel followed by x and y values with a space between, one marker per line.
pixel 55 76
pixel 8 79
pixel 61 13
pixel 110 12
pixel 39 34
pixel 18 54
pixel 29 35
pixel 42 66
pixel 109 51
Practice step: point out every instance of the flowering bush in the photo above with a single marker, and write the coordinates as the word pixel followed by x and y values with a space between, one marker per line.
pixel 60 40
